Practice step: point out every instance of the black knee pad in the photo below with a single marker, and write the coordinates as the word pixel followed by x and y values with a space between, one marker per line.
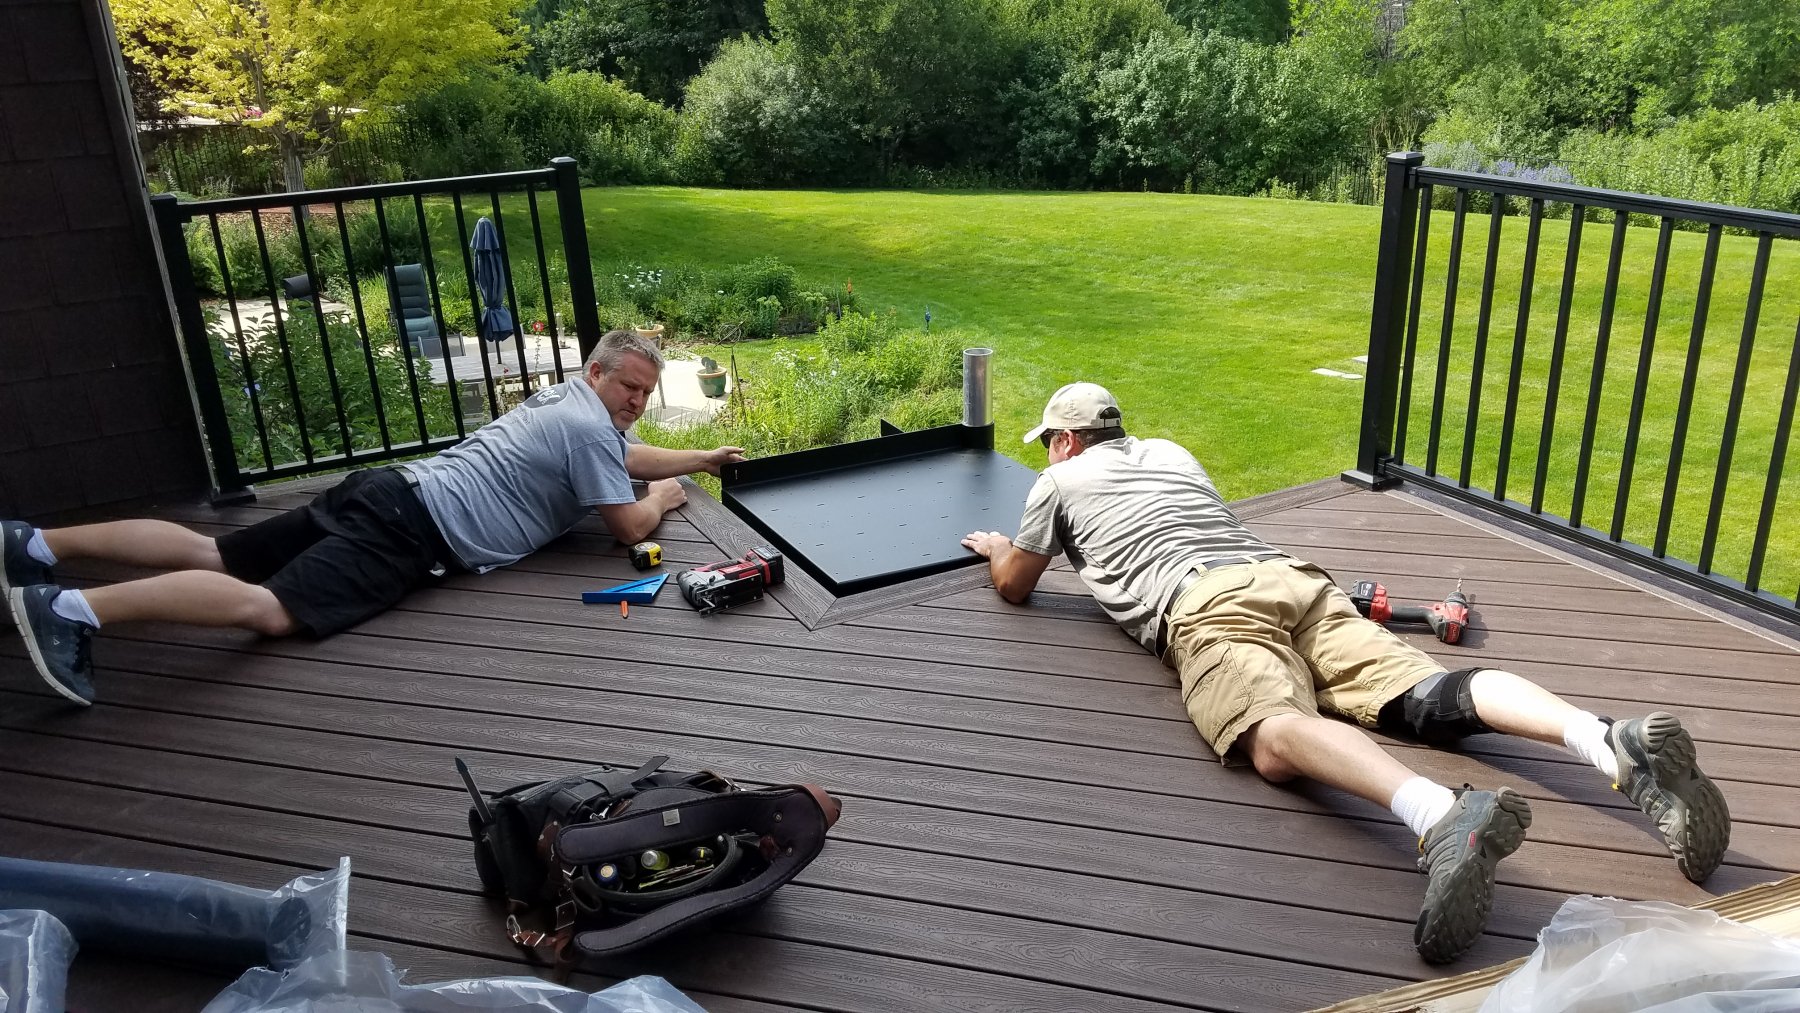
pixel 1440 709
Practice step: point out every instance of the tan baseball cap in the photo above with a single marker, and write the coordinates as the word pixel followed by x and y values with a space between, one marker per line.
pixel 1079 406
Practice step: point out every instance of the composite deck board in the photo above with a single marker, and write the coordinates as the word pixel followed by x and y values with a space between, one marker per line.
pixel 1536 614
pixel 581 719
pixel 1030 820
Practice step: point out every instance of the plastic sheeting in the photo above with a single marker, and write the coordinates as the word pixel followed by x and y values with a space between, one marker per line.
pixel 35 951
pixel 352 982
pixel 1602 955
pixel 163 916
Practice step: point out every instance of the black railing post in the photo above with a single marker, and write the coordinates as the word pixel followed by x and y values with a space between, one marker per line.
pixel 228 482
pixel 575 253
pixel 1387 322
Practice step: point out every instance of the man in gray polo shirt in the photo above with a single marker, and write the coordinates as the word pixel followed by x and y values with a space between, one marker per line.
pixel 1270 651
pixel 359 547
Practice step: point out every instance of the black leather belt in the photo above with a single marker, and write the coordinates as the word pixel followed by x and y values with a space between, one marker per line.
pixel 1192 577
pixel 411 476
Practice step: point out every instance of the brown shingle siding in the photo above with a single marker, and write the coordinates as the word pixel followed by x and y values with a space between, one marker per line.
pixel 94 406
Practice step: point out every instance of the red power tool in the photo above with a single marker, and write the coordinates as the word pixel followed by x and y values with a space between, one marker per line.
pixel 1447 618
pixel 732 582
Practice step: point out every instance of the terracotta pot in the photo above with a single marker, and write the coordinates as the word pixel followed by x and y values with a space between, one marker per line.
pixel 654 333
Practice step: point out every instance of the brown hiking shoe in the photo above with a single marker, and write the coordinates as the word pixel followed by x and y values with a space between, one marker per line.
pixel 1459 854
pixel 1658 771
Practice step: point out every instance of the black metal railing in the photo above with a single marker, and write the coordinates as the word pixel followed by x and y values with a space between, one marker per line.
pixel 1670 455
pixel 326 329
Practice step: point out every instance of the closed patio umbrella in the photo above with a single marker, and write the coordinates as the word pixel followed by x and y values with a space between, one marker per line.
pixel 490 280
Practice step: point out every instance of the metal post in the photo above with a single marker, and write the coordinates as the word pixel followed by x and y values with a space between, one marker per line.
pixel 1387 322
pixel 228 481
pixel 575 253
pixel 978 396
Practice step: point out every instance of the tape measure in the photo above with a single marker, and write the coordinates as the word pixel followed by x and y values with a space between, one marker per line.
pixel 644 555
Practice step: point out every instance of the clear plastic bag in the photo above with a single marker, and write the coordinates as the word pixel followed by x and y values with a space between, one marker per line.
pixel 163 916
pixel 354 982
pixel 1603 955
pixel 35 951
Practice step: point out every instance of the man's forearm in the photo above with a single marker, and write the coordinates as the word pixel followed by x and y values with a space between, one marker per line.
pixel 652 463
pixel 638 520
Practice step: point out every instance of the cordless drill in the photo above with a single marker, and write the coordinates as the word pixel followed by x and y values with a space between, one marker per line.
pixel 1447 618
pixel 732 582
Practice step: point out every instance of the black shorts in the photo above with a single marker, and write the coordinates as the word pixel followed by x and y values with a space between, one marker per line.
pixel 351 553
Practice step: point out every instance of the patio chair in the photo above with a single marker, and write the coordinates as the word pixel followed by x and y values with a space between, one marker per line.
pixel 297 287
pixel 409 308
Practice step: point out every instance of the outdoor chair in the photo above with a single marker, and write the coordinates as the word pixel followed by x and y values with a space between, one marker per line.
pixel 409 307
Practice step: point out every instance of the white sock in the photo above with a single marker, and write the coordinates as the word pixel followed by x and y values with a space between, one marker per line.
pixel 73 606
pixel 1585 735
pixel 1420 803
pixel 37 549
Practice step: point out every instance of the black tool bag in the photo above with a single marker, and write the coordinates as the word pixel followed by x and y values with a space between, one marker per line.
pixel 612 859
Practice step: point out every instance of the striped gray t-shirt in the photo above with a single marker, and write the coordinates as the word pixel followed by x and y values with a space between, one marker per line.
pixel 1134 517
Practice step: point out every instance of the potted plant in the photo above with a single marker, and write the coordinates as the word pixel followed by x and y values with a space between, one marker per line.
pixel 653 332
pixel 711 377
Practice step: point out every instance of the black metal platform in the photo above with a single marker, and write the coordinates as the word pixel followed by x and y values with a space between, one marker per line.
pixel 869 514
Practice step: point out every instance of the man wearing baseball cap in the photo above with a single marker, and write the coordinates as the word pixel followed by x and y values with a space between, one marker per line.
pixel 1270 651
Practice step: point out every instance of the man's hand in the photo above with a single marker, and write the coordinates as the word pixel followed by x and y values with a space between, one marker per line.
pixel 986 543
pixel 633 522
pixel 1015 571
pixel 721 456
pixel 667 493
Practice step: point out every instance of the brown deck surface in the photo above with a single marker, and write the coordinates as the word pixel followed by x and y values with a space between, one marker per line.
pixel 1030 822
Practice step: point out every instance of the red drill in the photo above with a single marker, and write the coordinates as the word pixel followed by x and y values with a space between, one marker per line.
pixel 1447 618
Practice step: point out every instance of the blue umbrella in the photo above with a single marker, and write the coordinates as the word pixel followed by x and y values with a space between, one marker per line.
pixel 490 280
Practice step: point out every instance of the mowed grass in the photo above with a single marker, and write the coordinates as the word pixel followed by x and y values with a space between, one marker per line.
pixel 1203 315
pixel 1206 315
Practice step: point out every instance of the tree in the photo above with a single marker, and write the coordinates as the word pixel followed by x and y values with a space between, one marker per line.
pixel 1253 20
pixel 654 46
pixel 1352 50
pixel 297 68
pixel 751 121
pixel 1642 61
pixel 919 72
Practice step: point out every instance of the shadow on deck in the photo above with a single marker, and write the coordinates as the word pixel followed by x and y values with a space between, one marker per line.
pixel 1030 820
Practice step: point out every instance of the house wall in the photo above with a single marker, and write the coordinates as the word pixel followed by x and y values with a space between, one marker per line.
pixel 94 402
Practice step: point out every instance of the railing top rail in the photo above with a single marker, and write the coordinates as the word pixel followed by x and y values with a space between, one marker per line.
pixel 302 198
pixel 1775 222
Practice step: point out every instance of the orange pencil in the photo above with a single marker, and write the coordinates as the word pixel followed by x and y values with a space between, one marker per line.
pixel 624 609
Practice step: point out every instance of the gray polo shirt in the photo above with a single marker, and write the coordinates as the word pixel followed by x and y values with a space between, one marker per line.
pixel 1134 517
pixel 527 477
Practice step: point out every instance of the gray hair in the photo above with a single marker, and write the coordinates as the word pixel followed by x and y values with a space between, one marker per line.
pixel 613 345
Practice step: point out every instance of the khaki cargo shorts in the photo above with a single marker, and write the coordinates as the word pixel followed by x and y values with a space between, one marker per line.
pixel 1278 637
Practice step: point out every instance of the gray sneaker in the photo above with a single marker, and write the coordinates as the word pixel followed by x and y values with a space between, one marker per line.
pixel 1658 771
pixel 1459 854
pixel 59 647
pixel 17 568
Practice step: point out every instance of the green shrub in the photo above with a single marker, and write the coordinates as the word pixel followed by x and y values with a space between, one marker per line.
pixel 759 299
pixel 792 402
pixel 750 119
pixel 856 333
pixel 295 393
pixel 216 161
pixel 243 257
pixel 765 276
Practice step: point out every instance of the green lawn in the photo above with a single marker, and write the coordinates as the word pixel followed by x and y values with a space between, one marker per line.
pixel 1203 315
pixel 1206 315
